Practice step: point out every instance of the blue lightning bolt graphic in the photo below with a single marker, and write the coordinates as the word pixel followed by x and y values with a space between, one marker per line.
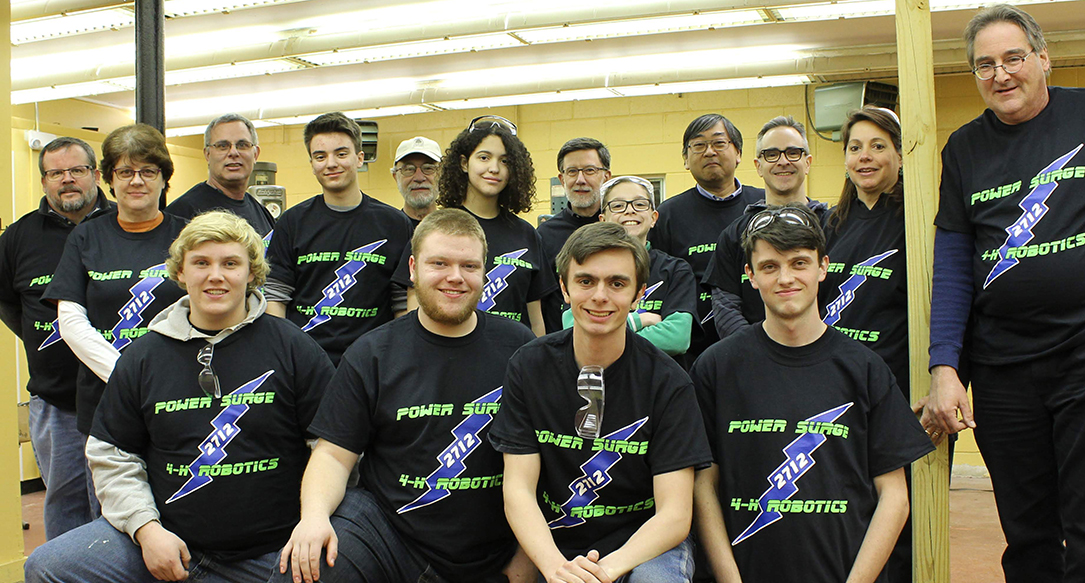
pixel 782 480
pixel 847 289
pixel 1035 208
pixel 53 338
pixel 496 281
pixel 647 292
pixel 267 240
pixel 132 312
pixel 345 278
pixel 595 477
pixel 213 448
pixel 451 460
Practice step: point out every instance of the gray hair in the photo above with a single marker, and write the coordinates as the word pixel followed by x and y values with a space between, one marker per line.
pixel 1002 13
pixel 63 143
pixel 227 118
pixel 783 121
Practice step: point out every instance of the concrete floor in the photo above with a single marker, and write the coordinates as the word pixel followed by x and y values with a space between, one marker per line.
pixel 976 541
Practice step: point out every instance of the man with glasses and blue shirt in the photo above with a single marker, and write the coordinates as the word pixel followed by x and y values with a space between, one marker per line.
pixel 783 161
pixel 583 165
pixel 1008 252
pixel 30 250
pixel 231 148
pixel 415 172
pixel 199 441
pixel 690 223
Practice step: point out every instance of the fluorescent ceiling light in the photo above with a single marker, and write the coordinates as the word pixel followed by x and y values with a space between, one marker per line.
pixel 834 10
pixel 175 8
pixel 641 26
pixel 63 25
pixel 66 91
pixel 713 85
pixel 526 99
pixel 412 49
pixel 218 72
pixel 28 68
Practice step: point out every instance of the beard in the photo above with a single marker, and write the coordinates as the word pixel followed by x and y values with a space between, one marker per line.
pixel 74 205
pixel 429 301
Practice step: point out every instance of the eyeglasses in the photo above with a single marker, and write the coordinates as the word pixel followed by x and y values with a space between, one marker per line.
pixel 208 380
pixel 771 155
pixel 1011 65
pixel 224 146
pixel 640 205
pixel 144 173
pixel 77 172
pixel 409 170
pixel 701 147
pixel 589 418
pixel 766 217
pixel 492 121
pixel 588 171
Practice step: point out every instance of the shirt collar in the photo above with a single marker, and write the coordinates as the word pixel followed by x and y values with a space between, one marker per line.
pixel 710 196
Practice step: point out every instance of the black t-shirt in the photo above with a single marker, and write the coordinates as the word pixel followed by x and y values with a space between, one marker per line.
pixel 865 294
pixel 516 267
pixel 419 406
pixel 688 227
pixel 595 493
pixel 225 472
pixel 670 288
pixel 727 268
pixel 340 265
pixel 1019 190
pixel 29 252
pixel 554 232
pixel 203 197
pixel 121 279
pixel 815 424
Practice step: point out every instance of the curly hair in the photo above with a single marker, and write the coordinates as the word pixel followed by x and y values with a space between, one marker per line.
pixel 518 195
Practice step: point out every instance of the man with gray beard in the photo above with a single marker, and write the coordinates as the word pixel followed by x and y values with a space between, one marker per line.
pixel 415 168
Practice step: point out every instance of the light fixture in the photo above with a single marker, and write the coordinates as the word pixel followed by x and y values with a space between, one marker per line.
pixel 526 99
pixel 641 26
pixel 711 85
pixel 411 49
pixel 219 72
pixel 66 91
pixel 69 24
pixel 176 8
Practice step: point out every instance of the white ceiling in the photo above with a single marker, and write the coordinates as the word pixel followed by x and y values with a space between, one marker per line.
pixel 283 60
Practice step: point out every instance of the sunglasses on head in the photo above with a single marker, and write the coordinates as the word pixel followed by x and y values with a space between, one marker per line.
pixel 492 121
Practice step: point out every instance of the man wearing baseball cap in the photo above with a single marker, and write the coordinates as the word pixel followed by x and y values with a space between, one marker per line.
pixel 415 170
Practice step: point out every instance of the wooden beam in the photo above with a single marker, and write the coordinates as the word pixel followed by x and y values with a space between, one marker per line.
pixel 930 475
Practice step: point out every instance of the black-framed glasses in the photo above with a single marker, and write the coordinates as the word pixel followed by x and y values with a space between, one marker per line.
pixel 224 146
pixel 146 174
pixel 771 155
pixel 589 418
pixel 1011 65
pixel 77 172
pixel 491 121
pixel 640 205
pixel 702 147
pixel 588 171
pixel 768 216
pixel 408 170
pixel 209 381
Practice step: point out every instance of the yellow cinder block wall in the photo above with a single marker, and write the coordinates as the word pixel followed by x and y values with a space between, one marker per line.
pixel 644 136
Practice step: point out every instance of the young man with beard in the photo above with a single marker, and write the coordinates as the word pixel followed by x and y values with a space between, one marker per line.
pixel 817 417
pixel 598 491
pixel 416 396
pixel 198 443
pixel 415 169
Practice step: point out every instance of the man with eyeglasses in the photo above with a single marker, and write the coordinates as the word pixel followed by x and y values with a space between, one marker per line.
pixel 583 165
pixel 30 250
pixel 1008 252
pixel 199 442
pixel 783 161
pixel 415 169
pixel 231 149
pixel 599 430
pixel 690 223
pixel 808 429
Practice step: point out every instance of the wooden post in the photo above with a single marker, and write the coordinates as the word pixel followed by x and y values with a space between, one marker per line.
pixel 930 475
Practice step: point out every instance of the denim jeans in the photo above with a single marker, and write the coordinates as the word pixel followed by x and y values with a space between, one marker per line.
pixel 58 449
pixel 673 566
pixel 99 552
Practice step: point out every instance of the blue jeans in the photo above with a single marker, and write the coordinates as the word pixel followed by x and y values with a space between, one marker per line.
pixel 99 552
pixel 673 566
pixel 58 449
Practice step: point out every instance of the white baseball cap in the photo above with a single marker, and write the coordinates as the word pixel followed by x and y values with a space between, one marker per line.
pixel 419 145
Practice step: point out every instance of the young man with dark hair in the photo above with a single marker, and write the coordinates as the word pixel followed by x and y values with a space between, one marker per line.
pixel 583 165
pixel 416 396
pixel 598 488
pixel 198 444
pixel 30 250
pixel 690 223
pixel 808 428
pixel 332 256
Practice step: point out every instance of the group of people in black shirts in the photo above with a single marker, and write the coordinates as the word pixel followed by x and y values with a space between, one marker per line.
pixel 454 364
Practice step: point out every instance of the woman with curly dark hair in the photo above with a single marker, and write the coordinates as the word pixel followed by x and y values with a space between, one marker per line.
pixel 487 171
